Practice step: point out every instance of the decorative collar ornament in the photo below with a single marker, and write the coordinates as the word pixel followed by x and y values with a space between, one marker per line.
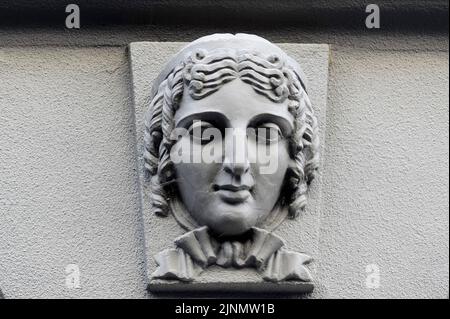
pixel 197 250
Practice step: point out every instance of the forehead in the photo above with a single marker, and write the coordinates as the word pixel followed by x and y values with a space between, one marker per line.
pixel 237 101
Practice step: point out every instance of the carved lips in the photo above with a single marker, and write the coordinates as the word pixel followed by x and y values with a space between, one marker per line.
pixel 232 194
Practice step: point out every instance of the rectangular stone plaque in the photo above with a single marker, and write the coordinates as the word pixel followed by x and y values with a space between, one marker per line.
pixel 147 60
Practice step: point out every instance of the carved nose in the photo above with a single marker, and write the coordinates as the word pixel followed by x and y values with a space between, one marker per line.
pixel 235 160
pixel 236 168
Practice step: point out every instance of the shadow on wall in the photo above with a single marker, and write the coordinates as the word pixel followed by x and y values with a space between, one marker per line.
pixel 1 295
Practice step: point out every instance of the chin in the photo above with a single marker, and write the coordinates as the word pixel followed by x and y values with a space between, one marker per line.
pixel 232 223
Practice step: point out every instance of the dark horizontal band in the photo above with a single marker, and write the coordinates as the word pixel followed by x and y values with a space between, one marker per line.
pixel 253 13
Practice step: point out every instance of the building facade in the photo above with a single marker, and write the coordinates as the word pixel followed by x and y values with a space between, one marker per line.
pixel 71 219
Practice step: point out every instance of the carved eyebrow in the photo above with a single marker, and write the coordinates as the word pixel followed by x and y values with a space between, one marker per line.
pixel 284 124
pixel 215 118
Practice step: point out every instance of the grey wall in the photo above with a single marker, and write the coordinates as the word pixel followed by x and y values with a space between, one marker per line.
pixel 386 174
pixel 68 190
pixel 68 185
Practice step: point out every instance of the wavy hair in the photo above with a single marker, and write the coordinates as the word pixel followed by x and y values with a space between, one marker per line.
pixel 204 73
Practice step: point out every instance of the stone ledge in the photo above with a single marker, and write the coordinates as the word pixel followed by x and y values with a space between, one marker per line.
pixel 162 286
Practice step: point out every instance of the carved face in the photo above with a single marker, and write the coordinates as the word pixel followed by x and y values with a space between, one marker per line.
pixel 236 191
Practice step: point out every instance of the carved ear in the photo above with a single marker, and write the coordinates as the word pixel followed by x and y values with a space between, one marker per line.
pixel 295 144
pixel 291 179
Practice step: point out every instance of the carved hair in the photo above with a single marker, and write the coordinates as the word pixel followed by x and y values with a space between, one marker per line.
pixel 204 73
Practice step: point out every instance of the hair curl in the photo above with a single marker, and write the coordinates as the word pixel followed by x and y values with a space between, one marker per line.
pixel 204 73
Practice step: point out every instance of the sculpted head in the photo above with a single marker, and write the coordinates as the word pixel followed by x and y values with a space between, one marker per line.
pixel 242 101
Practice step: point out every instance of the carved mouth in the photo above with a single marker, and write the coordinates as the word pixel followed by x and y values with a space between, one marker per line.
pixel 230 187
pixel 232 194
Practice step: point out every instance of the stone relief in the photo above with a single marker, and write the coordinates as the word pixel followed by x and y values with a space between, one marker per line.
pixel 230 147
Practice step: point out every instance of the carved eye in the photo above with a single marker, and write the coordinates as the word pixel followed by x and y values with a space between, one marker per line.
pixel 268 133
pixel 197 129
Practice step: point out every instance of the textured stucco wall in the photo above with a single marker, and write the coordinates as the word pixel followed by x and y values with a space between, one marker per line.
pixel 68 185
pixel 67 182
pixel 386 174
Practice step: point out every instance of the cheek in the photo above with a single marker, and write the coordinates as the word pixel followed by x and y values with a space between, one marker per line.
pixel 197 176
pixel 194 178
pixel 271 160
pixel 194 185
pixel 270 170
